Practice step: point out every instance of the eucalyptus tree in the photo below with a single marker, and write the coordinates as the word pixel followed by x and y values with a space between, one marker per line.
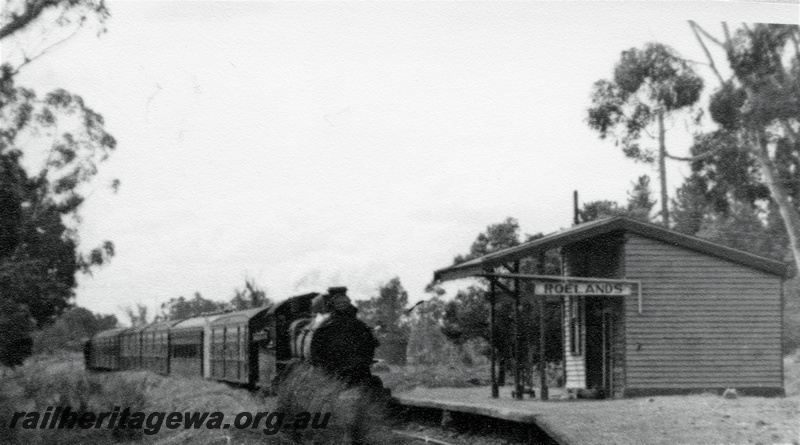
pixel 497 237
pixel 387 311
pixel 640 203
pixel 755 153
pixel 181 308
pixel 251 296
pixel 648 84
pixel 50 149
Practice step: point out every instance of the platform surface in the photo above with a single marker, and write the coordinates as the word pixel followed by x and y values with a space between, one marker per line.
pixel 697 419
pixel 478 400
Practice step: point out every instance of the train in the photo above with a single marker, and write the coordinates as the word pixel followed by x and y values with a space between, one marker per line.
pixel 253 348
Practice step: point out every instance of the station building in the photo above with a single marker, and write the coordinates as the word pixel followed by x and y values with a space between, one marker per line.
pixel 650 311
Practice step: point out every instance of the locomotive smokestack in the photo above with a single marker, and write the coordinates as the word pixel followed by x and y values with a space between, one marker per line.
pixel 341 290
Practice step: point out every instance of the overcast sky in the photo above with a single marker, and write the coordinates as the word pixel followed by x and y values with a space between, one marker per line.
pixel 308 145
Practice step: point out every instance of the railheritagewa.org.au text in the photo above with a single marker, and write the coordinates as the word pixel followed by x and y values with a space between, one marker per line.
pixel 64 417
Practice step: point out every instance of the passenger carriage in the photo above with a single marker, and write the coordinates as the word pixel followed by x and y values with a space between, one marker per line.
pixel 188 346
pixel 131 348
pixel 105 350
pixel 155 347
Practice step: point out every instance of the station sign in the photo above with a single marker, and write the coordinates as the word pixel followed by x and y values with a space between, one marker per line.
pixel 582 288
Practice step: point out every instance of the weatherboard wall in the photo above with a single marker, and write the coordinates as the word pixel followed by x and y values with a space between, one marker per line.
pixel 706 322
pixel 574 362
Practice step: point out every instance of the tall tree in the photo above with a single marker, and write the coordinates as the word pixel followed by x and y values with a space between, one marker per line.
pixel 138 317
pixel 743 228
pixel 594 210
pixel 386 312
pixel 22 16
pixel 70 330
pixel 497 237
pixel 758 111
pixel 426 343
pixel 466 317
pixel 640 204
pixel 17 342
pixel 62 141
pixel 640 199
pixel 181 308
pixel 648 84
pixel 690 206
pixel 251 296
pixel 740 223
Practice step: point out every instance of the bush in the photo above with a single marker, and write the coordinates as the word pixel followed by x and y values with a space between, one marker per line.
pixel 355 416
pixel 554 375
pixel 50 382
pixel 59 380
pixel 436 376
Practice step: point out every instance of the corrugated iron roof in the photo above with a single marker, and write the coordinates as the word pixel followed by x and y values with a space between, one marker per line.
pixel 160 326
pixel 195 322
pixel 110 333
pixel 239 317
pixel 600 227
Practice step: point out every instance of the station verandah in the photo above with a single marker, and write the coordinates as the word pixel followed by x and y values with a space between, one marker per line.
pixel 600 291
pixel 590 310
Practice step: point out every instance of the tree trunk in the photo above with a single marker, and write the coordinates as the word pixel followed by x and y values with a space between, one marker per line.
pixel 789 214
pixel 662 168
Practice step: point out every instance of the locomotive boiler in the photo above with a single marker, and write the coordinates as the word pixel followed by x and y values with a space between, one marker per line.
pixel 334 339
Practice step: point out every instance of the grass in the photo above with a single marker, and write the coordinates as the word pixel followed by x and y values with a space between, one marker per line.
pixel 60 380
pixel 355 414
pixel 403 378
pixel 47 381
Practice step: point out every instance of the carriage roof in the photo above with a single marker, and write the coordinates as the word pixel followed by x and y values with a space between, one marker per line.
pixel 133 330
pixel 241 317
pixel 195 322
pixel 160 326
pixel 110 333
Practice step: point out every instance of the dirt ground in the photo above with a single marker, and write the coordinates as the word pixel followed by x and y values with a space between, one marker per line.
pixel 701 419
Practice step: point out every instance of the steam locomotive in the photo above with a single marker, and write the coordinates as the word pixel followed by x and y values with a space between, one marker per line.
pixel 252 348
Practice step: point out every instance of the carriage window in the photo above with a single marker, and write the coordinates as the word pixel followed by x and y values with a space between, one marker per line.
pixel 184 351
pixel 218 343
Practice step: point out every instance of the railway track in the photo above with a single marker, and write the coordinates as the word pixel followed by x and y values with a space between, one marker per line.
pixel 425 425
pixel 421 438
pixel 433 436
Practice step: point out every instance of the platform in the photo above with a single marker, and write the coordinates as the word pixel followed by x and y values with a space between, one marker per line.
pixel 478 401
pixel 663 420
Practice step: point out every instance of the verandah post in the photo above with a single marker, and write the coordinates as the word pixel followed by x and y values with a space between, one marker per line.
pixel 542 357
pixel 495 389
pixel 517 343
